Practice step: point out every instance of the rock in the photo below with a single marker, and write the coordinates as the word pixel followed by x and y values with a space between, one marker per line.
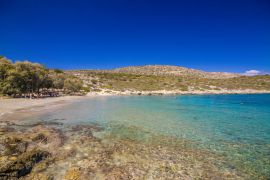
pixel 42 166
pixel 13 158
pixel 13 145
pixel 2 131
pixel 40 138
pixel 73 174
pixel 39 176
pixel 6 129
pixel 22 165
pixel 46 137
pixel 2 149
pixel 4 159
pixel 87 128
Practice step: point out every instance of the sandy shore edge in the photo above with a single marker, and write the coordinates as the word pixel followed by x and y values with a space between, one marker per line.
pixel 15 104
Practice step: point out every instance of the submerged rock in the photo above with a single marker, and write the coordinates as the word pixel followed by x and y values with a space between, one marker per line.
pixel 48 138
pixel 40 176
pixel 73 174
pixel 13 146
pixel 22 165
pixel 87 128
pixel 21 151
pixel 125 152
pixel 5 127
pixel 41 123
pixel 2 129
pixel 40 138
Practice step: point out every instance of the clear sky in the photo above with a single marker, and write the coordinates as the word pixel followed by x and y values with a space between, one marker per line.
pixel 214 35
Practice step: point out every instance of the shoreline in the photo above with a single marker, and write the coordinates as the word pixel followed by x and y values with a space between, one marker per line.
pixel 15 105
pixel 107 92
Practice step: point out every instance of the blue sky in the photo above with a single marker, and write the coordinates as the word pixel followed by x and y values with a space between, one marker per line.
pixel 214 35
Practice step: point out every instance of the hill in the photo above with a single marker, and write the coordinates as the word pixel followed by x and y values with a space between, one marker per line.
pixel 152 78
pixel 173 70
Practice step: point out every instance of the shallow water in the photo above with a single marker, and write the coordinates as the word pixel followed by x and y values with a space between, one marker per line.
pixel 234 127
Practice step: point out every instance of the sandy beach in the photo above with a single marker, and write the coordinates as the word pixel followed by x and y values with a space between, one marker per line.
pixel 13 105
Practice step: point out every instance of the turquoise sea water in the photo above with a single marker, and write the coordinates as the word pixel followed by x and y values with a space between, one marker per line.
pixel 234 126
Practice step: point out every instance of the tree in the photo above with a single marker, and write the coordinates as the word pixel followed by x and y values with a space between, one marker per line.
pixel 73 84
pixel 33 75
pixel 5 66
pixel 58 80
pixel 12 84
pixel 26 78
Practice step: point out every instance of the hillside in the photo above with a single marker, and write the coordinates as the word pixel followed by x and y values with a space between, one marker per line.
pixel 168 78
pixel 173 70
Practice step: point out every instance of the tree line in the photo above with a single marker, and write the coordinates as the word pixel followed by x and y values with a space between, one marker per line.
pixel 26 79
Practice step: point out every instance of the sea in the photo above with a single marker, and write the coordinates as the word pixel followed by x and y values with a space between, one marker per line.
pixel 235 127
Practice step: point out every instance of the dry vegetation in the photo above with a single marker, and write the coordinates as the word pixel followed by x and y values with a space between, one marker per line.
pixel 96 80
pixel 173 71
pixel 33 80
